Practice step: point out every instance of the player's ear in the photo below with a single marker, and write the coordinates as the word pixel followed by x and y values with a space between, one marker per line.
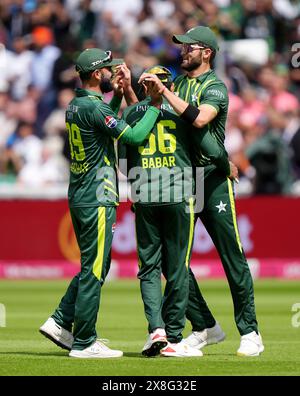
pixel 97 74
pixel 172 87
pixel 207 54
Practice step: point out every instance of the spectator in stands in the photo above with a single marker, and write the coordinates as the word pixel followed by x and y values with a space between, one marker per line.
pixel 45 54
pixel 265 93
pixel 22 60
pixel 22 148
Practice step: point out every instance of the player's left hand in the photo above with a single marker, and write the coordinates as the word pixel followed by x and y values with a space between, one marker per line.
pixel 234 172
pixel 117 85
pixel 156 84
pixel 123 75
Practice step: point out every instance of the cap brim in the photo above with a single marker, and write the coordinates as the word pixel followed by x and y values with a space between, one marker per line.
pixel 114 62
pixel 183 39
pixel 118 61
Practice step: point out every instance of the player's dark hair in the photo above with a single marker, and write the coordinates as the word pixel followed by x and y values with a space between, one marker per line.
pixel 85 76
pixel 212 58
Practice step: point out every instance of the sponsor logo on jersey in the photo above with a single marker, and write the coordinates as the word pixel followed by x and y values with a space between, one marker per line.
pixel 216 92
pixel 110 121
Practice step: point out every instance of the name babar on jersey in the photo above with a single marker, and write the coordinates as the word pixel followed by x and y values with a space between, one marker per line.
pixel 161 161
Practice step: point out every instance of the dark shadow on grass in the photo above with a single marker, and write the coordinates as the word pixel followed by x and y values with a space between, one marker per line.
pixel 216 354
pixel 133 354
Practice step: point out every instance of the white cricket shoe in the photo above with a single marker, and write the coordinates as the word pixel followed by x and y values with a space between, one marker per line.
pixel 60 336
pixel 98 350
pixel 209 336
pixel 251 345
pixel 155 342
pixel 181 349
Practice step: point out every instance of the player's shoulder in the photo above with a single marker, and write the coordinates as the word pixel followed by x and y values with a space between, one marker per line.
pixel 177 80
pixel 99 106
pixel 215 87
pixel 128 110
pixel 217 81
pixel 134 108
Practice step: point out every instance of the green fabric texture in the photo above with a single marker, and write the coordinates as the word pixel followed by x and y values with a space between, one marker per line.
pixel 207 89
pixel 220 224
pixel 198 34
pixel 94 58
pixel 168 148
pixel 163 249
pixel 80 304
pixel 137 134
pixel 218 215
pixel 92 127
pixel 115 104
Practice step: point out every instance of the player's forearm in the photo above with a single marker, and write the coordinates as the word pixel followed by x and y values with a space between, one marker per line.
pixel 115 103
pixel 191 114
pixel 178 104
pixel 130 96
pixel 137 134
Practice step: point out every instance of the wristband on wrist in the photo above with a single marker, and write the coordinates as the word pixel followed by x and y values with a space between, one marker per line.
pixel 190 114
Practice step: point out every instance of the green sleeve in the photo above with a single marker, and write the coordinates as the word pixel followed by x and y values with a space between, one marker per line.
pixel 115 104
pixel 216 95
pixel 137 134
pixel 217 154
pixel 122 150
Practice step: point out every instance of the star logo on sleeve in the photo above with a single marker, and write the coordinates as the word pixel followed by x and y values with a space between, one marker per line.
pixel 221 207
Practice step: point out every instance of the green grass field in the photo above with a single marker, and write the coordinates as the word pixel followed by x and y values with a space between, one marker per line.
pixel 23 351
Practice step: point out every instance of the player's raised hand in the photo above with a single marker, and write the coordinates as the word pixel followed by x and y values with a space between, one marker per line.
pixel 157 84
pixel 125 73
pixel 152 91
pixel 122 75
pixel 117 84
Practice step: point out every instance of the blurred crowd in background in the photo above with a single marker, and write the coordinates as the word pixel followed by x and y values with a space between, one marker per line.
pixel 258 61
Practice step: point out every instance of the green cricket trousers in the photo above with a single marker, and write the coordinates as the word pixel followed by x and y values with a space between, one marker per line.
pixel 219 218
pixel 93 228
pixel 164 242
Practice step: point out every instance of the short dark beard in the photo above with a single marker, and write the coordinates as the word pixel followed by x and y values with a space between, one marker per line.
pixel 106 85
pixel 192 66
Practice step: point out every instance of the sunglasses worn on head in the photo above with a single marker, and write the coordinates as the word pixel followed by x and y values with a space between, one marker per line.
pixel 108 58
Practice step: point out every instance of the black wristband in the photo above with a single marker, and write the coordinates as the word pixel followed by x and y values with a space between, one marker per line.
pixel 190 114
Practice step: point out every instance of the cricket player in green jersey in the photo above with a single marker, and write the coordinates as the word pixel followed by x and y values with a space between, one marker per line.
pixel 161 175
pixel 92 127
pixel 201 99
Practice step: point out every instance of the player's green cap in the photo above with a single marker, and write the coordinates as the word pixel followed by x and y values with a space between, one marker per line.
pixel 94 58
pixel 117 62
pixel 162 73
pixel 199 34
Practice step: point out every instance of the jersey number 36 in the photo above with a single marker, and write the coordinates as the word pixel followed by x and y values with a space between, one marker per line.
pixel 166 141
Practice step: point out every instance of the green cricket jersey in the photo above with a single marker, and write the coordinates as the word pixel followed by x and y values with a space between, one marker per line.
pixel 162 158
pixel 205 89
pixel 92 126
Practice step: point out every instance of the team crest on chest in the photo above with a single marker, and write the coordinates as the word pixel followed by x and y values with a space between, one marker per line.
pixel 110 121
